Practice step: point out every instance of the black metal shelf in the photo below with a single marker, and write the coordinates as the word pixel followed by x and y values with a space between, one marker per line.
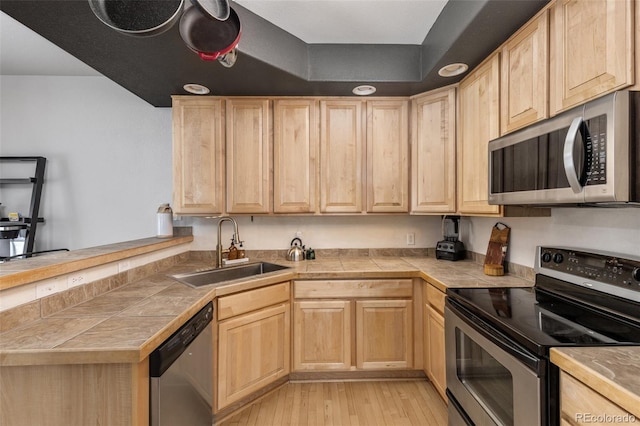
pixel 26 221
pixel 31 221
pixel 18 180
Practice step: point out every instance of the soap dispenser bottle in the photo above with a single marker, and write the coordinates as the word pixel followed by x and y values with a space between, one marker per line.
pixel 311 254
pixel 233 251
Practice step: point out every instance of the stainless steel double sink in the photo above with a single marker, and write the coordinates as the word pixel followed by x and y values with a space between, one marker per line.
pixel 228 273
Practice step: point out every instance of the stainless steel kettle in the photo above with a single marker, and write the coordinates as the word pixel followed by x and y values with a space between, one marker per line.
pixel 296 252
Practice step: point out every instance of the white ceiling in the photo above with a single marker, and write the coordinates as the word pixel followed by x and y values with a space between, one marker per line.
pixel 351 21
pixel 23 52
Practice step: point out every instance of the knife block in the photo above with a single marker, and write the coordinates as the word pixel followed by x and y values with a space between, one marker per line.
pixel 497 250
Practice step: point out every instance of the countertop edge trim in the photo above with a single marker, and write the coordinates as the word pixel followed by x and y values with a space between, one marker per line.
pixel 19 278
pixel 596 381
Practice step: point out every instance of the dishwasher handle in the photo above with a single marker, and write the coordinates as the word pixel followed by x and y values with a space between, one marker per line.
pixel 161 359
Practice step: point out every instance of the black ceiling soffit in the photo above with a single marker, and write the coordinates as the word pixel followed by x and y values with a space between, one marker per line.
pixel 272 62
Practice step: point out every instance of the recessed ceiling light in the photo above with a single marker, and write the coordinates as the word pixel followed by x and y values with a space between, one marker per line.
pixel 196 89
pixel 364 90
pixel 452 70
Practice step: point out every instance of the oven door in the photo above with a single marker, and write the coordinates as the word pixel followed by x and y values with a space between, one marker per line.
pixel 492 381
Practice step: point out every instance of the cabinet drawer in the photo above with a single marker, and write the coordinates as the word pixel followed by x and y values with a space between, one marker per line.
pixel 240 303
pixel 580 404
pixel 435 298
pixel 334 289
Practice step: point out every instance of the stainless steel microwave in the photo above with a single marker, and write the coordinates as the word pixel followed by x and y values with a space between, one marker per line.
pixel 587 155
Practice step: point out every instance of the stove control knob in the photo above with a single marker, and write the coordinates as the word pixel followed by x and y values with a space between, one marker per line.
pixel 636 274
pixel 558 258
pixel 546 257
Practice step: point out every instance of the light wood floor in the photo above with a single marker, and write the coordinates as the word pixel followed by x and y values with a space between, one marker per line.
pixel 413 402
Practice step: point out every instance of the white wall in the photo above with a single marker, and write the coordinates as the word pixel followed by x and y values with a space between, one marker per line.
pixel 321 232
pixel 110 167
pixel 610 229
pixel 108 157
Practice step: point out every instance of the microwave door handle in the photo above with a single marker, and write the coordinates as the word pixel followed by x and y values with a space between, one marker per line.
pixel 569 143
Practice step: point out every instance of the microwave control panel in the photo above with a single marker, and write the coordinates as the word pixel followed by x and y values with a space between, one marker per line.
pixel 596 150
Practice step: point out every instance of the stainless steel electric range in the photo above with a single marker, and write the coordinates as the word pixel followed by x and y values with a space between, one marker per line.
pixel 498 339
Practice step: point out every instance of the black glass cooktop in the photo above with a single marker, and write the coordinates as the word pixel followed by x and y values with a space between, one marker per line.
pixel 539 319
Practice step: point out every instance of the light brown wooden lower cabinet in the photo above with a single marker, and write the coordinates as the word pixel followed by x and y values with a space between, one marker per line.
pixel 322 335
pixel 353 325
pixel 384 334
pixel 78 394
pixel 434 351
pixel 323 338
pixel 581 405
pixel 253 351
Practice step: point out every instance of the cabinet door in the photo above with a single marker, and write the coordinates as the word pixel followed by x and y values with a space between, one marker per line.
pixel 198 155
pixel 433 152
pixel 592 45
pixel 248 156
pixel 384 334
pixel 479 123
pixel 524 97
pixel 435 354
pixel 295 153
pixel 388 156
pixel 322 335
pixel 341 156
pixel 253 351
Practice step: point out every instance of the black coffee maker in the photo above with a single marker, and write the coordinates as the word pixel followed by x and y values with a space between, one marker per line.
pixel 450 248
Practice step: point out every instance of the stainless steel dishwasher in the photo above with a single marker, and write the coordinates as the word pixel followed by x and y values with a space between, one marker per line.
pixel 181 375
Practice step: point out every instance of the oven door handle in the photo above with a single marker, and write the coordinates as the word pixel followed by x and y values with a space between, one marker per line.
pixel 496 337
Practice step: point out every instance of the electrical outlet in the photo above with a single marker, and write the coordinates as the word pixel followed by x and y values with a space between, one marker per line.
pixel 124 265
pixel 411 239
pixel 50 286
pixel 299 234
pixel 76 280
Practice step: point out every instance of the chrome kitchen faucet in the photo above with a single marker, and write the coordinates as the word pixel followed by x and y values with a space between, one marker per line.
pixel 236 238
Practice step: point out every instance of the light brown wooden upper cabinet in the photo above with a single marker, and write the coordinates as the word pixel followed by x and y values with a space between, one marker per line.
pixel 524 81
pixel 295 155
pixel 342 149
pixel 591 50
pixel 388 156
pixel 198 155
pixel 433 152
pixel 479 123
pixel 248 155
pixel 364 151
